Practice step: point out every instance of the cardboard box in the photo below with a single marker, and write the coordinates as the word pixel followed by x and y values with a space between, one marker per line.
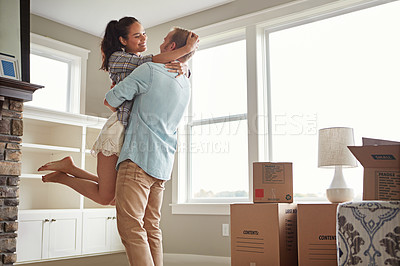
pixel 272 182
pixel 316 234
pixel 263 234
pixel 381 161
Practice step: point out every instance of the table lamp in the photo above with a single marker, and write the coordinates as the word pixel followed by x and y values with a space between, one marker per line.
pixel 333 152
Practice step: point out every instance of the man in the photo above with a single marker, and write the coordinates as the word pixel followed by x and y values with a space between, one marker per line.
pixel 147 155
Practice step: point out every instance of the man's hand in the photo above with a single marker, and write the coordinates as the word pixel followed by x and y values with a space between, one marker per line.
pixel 109 106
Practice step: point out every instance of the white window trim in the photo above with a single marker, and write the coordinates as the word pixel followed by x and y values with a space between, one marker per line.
pixel 258 106
pixel 78 57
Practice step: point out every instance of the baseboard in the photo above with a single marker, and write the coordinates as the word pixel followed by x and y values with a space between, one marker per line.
pixel 192 259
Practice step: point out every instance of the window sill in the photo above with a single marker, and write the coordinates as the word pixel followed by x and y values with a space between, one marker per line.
pixel 224 208
pixel 201 208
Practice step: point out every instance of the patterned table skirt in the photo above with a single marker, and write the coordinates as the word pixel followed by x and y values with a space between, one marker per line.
pixel 368 233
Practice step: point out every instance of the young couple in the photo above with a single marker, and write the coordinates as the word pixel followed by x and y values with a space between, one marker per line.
pixel 135 149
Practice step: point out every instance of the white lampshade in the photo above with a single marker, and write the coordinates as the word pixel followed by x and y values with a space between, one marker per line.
pixel 332 147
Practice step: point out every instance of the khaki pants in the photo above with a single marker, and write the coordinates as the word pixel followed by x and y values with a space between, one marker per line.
pixel 138 201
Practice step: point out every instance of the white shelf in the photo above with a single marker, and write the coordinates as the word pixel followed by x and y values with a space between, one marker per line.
pixel 41 147
pixel 50 136
pixel 32 176
pixel 47 115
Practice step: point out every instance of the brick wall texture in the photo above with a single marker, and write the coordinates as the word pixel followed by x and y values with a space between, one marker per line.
pixel 11 129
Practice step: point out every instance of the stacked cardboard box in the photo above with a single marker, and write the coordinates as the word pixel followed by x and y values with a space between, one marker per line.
pixel 381 161
pixel 273 182
pixel 264 233
pixel 316 234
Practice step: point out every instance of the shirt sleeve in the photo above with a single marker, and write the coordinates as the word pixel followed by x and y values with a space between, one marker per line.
pixel 137 82
pixel 121 64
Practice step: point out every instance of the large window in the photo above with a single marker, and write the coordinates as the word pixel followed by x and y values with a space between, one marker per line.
pixel 341 71
pixel 331 65
pixel 215 139
pixel 61 69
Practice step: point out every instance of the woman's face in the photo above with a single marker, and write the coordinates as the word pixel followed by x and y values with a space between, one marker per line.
pixel 136 39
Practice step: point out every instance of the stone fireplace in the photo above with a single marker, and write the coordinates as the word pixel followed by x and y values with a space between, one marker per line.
pixel 12 95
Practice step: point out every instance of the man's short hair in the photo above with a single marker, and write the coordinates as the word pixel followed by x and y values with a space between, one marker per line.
pixel 179 37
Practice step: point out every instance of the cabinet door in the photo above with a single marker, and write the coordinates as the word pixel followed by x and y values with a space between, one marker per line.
pixel 65 234
pixel 33 230
pixel 115 239
pixel 96 231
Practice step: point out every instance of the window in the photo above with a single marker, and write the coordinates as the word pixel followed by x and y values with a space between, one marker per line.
pixel 213 140
pixel 61 68
pixel 55 75
pixel 340 71
pixel 309 66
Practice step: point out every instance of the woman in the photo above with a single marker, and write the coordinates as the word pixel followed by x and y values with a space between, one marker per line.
pixel 121 47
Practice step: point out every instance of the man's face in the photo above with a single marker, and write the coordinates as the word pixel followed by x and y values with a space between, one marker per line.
pixel 166 45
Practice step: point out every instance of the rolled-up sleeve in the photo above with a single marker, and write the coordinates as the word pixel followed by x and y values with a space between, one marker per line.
pixel 136 83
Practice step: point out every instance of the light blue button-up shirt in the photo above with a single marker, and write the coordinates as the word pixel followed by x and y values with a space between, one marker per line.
pixel 160 102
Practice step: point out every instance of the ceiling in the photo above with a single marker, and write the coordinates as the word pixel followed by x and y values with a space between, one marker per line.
pixel 92 16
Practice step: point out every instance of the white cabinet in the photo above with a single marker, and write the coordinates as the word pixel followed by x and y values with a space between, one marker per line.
pixel 65 237
pixel 49 234
pixel 115 239
pixel 51 216
pixel 100 232
pixel 32 230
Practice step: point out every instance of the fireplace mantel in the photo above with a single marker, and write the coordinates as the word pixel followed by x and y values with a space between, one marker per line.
pixel 16 89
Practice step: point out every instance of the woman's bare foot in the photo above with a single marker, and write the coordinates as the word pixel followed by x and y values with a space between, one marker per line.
pixel 54 177
pixel 64 165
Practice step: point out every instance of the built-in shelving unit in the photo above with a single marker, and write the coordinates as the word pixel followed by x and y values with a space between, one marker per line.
pixel 55 215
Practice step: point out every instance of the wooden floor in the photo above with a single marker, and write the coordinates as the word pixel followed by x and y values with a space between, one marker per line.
pixel 194 260
pixel 119 259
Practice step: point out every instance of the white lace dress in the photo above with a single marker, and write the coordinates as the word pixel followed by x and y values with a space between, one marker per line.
pixel 110 139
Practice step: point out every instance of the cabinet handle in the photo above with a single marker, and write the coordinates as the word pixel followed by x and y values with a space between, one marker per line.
pixel 114 218
pixel 109 218
pixel 46 220
pixel 53 220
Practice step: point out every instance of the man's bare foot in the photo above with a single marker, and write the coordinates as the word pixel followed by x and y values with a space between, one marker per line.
pixel 64 165
pixel 54 177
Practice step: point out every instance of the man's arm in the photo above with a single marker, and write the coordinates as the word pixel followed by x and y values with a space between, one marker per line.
pixel 136 83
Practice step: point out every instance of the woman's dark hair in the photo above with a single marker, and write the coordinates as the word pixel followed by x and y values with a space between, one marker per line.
pixel 110 42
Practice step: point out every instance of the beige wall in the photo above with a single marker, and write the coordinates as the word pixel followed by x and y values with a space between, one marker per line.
pixel 10 29
pixel 97 81
pixel 190 234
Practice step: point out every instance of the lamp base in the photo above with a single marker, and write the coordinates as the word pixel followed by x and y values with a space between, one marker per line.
pixel 338 195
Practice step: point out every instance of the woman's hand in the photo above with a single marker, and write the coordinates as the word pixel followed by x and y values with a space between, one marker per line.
pixel 109 106
pixel 178 67
pixel 192 42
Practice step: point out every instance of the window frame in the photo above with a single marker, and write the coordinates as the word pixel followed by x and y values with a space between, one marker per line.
pixel 255 27
pixel 183 181
pixel 225 39
pixel 76 57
